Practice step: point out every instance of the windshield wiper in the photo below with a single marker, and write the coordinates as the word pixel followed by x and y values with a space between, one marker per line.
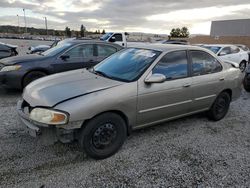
pixel 100 73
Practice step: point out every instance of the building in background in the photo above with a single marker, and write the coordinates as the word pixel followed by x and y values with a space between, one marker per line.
pixel 236 28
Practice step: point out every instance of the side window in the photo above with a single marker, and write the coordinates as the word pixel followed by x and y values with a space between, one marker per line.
pixel 82 51
pixel 235 50
pixel 105 51
pixel 226 50
pixel 173 65
pixel 204 63
pixel 118 37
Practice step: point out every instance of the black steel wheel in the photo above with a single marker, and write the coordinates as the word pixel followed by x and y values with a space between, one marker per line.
pixel 246 83
pixel 220 107
pixel 103 136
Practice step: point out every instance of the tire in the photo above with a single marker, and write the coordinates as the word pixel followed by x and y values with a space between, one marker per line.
pixel 220 107
pixel 246 84
pixel 103 135
pixel 30 77
pixel 243 65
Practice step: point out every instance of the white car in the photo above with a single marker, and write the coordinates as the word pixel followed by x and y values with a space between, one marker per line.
pixel 230 53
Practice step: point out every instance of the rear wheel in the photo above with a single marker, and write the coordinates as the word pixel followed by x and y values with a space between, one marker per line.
pixel 243 66
pixel 103 136
pixel 30 77
pixel 220 107
pixel 246 84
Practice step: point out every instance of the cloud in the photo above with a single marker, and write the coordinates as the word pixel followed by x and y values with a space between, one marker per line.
pixel 158 16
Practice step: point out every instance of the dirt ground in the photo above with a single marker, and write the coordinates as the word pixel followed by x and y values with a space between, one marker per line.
pixel 189 152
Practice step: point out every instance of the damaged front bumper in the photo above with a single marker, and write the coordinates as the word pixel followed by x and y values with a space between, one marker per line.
pixel 51 133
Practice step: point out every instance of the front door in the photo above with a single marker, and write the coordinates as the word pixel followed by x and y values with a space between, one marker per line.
pixel 162 101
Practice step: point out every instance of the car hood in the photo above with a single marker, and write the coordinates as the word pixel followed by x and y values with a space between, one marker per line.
pixel 54 89
pixel 19 59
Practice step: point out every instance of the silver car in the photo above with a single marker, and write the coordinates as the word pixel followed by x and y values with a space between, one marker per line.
pixel 134 88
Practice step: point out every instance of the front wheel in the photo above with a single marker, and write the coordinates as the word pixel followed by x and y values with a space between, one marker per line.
pixel 103 135
pixel 220 107
pixel 30 77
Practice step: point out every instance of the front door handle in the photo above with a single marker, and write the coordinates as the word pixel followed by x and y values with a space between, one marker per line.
pixel 187 85
pixel 222 79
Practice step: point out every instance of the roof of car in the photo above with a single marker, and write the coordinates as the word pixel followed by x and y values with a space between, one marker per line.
pixel 77 41
pixel 219 45
pixel 163 47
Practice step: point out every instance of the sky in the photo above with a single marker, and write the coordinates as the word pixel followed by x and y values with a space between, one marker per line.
pixel 148 16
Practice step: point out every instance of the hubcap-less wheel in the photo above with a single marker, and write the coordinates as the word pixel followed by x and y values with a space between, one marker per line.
pixel 220 107
pixel 104 136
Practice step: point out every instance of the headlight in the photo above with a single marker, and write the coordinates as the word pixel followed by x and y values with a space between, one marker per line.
pixel 10 68
pixel 47 116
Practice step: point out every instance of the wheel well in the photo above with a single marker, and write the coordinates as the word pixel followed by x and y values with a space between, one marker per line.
pixel 229 91
pixel 39 70
pixel 121 114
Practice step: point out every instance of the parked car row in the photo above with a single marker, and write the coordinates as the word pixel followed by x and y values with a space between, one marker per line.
pixel 134 88
pixel 99 104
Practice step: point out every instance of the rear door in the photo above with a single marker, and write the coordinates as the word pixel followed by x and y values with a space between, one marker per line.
pixel 172 98
pixel 80 56
pixel 207 79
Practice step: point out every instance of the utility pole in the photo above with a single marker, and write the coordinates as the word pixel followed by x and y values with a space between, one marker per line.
pixel 46 24
pixel 25 20
pixel 18 23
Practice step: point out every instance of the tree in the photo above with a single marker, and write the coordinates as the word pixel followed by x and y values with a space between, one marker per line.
pixel 82 31
pixel 67 32
pixel 179 33
pixel 103 31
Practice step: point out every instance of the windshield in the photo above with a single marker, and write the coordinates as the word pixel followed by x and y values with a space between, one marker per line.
pixel 127 65
pixel 214 49
pixel 106 36
pixel 57 49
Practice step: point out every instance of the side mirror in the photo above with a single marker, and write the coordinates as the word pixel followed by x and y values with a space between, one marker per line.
pixel 112 39
pixel 155 78
pixel 222 53
pixel 64 57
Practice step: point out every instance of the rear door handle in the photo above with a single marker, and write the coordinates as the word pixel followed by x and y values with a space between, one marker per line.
pixel 222 79
pixel 187 85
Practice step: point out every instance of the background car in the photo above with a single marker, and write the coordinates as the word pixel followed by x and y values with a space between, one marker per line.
pixel 246 49
pixel 18 72
pixel 230 53
pixel 134 88
pixel 7 50
pixel 171 41
pixel 246 82
pixel 41 48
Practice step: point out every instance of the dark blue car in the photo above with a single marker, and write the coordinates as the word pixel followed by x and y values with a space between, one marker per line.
pixel 18 72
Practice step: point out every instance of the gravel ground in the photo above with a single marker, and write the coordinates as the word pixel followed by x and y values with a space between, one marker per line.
pixel 190 152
